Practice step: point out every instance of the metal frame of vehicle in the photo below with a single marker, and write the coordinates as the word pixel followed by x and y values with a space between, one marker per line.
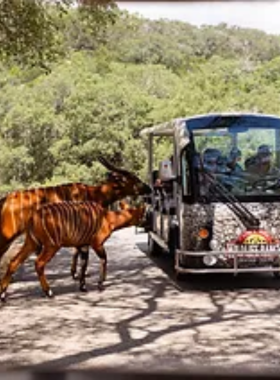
pixel 178 222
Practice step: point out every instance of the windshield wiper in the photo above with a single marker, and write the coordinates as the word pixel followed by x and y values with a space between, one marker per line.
pixel 247 218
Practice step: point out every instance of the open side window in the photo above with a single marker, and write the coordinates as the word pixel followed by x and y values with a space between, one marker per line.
pixel 186 174
pixel 189 174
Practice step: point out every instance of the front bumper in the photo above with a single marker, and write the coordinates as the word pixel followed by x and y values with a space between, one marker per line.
pixel 226 264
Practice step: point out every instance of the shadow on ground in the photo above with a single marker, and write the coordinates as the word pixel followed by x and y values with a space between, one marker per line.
pixel 140 321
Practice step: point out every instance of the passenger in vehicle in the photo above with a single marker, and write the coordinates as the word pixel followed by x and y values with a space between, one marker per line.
pixel 261 163
pixel 222 165
pixel 214 162
pixel 211 159
pixel 226 169
pixel 233 161
pixel 207 163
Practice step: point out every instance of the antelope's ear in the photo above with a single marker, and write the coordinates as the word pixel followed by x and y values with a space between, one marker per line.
pixel 124 205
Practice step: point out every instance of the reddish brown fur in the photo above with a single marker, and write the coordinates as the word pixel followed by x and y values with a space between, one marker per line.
pixel 70 224
pixel 16 208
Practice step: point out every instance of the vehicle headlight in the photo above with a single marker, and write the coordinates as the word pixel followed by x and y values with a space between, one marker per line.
pixel 209 260
pixel 214 244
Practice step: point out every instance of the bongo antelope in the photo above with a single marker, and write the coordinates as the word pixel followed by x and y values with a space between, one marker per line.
pixel 16 208
pixel 67 224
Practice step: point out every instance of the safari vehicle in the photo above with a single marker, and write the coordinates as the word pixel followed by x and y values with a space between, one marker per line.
pixel 216 202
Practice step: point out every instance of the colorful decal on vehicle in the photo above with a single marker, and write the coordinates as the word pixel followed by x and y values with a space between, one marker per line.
pixel 258 246
pixel 255 237
pixel 254 241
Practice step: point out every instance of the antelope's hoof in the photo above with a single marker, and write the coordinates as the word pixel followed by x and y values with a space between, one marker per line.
pixel 49 293
pixel 100 286
pixel 75 276
pixel 3 296
pixel 83 288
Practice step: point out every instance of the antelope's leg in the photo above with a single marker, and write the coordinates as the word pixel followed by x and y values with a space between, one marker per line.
pixel 46 254
pixel 74 264
pixel 84 252
pixel 28 247
pixel 101 253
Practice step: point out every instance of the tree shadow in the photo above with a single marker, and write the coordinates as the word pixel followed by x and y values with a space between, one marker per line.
pixel 128 344
pixel 141 320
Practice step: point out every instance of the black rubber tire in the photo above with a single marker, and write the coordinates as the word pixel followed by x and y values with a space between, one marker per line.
pixel 180 276
pixel 173 242
pixel 276 275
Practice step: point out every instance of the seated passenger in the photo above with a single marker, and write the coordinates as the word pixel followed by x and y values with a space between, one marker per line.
pixel 222 165
pixel 210 159
pixel 261 163
pixel 250 164
pixel 233 161
pixel 216 163
pixel 209 164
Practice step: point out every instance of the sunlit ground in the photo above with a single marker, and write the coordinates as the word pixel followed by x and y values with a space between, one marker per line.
pixel 143 320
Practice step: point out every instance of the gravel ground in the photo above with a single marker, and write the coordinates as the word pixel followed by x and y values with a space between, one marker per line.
pixel 143 320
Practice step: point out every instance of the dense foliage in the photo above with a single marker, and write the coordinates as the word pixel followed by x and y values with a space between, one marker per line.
pixel 37 32
pixel 110 83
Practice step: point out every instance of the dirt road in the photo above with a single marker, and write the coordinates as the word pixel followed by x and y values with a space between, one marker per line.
pixel 143 320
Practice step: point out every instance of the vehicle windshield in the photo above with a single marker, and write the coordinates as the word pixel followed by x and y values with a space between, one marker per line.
pixel 242 153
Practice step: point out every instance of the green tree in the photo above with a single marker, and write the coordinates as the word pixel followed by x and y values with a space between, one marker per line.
pixel 34 31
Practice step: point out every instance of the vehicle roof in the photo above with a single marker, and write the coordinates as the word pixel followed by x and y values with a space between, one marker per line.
pixel 205 120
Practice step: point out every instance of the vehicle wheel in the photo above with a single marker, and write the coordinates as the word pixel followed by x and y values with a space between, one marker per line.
pixel 149 221
pixel 173 243
pixel 180 276
pixel 276 274
pixel 154 248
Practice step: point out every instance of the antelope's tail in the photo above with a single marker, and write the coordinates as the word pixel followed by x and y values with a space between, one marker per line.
pixel 4 242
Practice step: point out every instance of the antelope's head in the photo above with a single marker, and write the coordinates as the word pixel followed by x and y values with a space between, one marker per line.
pixel 135 214
pixel 124 182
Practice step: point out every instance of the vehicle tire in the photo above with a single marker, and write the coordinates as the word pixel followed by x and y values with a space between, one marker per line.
pixel 149 221
pixel 180 276
pixel 173 243
pixel 154 249
pixel 276 275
